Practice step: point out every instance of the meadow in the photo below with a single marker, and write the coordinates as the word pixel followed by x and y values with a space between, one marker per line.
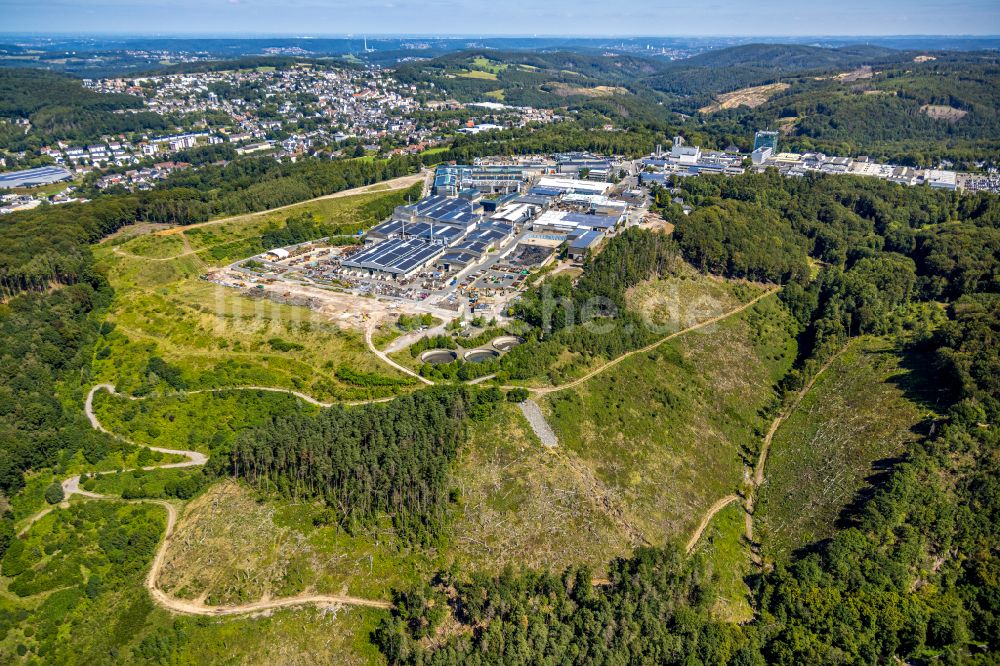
pixel 215 336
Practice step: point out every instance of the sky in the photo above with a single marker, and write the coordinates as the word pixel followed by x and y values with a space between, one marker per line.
pixel 666 18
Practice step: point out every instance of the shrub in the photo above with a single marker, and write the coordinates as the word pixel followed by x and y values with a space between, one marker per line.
pixel 54 493
pixel 517 395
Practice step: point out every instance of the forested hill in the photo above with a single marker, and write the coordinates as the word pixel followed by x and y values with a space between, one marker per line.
pixel 791 57
pixel 59 107
pixel 604 68
pixel 756 64
pixel 914 113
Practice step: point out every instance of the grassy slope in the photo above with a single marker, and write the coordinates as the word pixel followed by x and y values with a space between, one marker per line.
pixel 201 421
pixel 859 416
pixel 522 504
pixel 233 239
pixel 217 336
pixel 667 305
pixel 231 548
pixel 519 503
pixel 728 556
pixel 665 432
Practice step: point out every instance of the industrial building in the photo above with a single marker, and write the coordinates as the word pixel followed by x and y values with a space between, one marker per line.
pixel 561 222
pixel 449 180
pixel 766 139
pixel 457 212
pixel 396 257
pixel 583 243
pixel 449 231
pixel 31 177
pixel 547 186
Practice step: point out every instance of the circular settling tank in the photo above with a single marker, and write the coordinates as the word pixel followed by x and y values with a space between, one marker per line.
pixel 480 355
pixel 438 356
pixel 506 342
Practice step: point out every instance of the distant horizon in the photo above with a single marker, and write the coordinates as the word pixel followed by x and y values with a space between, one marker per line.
pixel 511 18
pixel 359 35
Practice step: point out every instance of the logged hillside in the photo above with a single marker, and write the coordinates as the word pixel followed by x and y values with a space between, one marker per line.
pixel 756 64
pixel 865 412
pixel 912 113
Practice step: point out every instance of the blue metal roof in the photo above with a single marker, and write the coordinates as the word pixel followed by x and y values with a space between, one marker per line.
pixel 37 176
pixel 585 240
pixel 593 221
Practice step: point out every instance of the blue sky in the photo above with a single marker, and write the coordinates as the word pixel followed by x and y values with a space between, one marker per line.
pixel 506 17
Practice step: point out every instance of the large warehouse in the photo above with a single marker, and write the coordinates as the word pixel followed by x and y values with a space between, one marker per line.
pixel 396 256
pixel 419 233
pixel 31 177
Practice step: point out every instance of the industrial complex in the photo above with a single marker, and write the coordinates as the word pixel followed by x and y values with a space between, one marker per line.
pixel 470 244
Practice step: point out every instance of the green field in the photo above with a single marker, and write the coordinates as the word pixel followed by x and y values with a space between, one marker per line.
pixel 727 554
pixel 860 416
pixel 217 337
pixel 667 432
pixel 667 305
pixel 478 74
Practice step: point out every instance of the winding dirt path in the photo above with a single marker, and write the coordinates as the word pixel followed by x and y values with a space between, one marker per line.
pixel 756 475
pixel 71 487
pixel 369 330
pixel 612 363
pixel 707 518
pixel 757 479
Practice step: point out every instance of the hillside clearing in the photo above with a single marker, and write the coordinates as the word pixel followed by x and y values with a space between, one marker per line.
pixel 943 112
pixel 751 97
pixel 858 418
pixel 231 547
pixel 524 504
pixel 666 432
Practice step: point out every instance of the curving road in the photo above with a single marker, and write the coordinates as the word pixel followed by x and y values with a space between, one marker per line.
pixel 71 487
pixel 369 329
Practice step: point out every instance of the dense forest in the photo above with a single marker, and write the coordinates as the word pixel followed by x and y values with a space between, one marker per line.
pixel 60 108
pixel 885 117
pixel 704 75
pixel 368 461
